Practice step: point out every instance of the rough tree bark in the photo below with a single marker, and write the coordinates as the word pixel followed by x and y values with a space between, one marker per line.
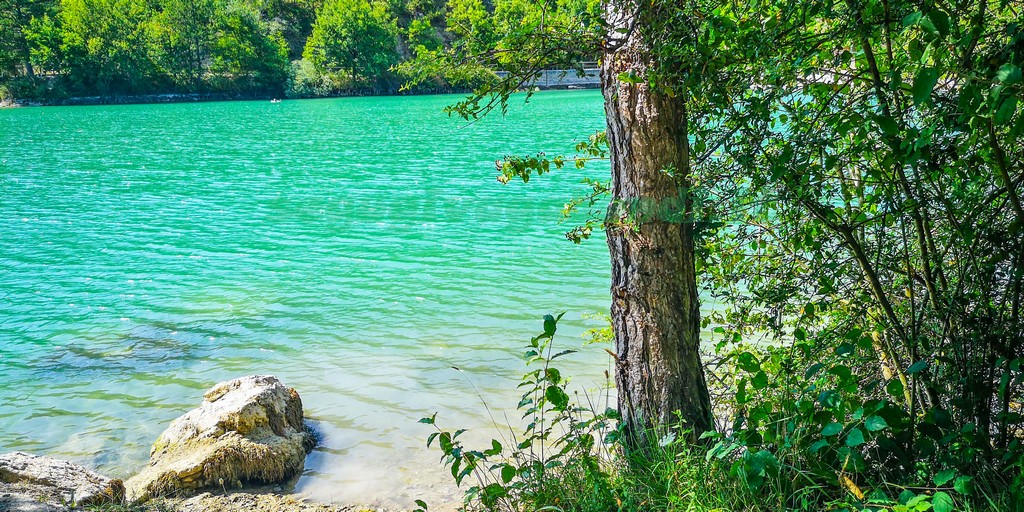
pixel 655 308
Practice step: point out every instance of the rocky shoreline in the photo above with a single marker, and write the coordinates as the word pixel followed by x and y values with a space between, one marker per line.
pixel 23 497
pixel 552 80
pixel 232 453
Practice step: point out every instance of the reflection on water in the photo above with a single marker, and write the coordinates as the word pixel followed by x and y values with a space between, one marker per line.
pixel 357 248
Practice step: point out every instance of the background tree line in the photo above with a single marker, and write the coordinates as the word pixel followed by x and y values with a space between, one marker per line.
pixel 50 49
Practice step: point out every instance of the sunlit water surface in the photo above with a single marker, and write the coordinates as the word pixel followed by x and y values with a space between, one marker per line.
pixel 357 248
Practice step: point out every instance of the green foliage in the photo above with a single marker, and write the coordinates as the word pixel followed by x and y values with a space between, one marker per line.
pixel 103 44
pixel 355 37
pixel 111 47
pixel 247 53
pixel 183 34
pixel 802 439
pixel 307 82
pixel 138 47
pixel 15 46
pixel 594 148
pixel 856 173
pixel 423 36
pixel 871 229
pixel 500 52
pixel 560 453
pixel 867 227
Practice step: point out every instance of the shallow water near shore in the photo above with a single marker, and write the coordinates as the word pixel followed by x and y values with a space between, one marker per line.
pixel 358 248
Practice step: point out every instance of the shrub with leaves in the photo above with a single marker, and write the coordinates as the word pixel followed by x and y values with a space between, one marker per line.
pixel 561 454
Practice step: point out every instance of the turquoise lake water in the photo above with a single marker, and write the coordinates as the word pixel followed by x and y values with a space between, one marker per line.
pixel 357 248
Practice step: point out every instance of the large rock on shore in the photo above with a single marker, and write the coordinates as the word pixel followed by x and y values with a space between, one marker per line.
pixel 247 431
pixel 71 483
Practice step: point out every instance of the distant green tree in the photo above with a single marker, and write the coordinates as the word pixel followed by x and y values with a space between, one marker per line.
pixel 105 45
pixel 102 47
pixel 184 33
pixel 44 38
pixel 428 9
pixel 15 48
pixel 247 54
pixel 293 19
pixel 511 14
pixel 355 37
pixel 470 23
pixel 422 34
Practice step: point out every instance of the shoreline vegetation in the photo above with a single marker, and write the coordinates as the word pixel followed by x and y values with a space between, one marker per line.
pixel 144 99
pixel 76 52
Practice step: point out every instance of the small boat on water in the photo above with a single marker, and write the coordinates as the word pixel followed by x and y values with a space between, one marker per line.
pixel 275 100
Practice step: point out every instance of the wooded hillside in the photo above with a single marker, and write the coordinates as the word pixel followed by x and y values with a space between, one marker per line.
pixel 50 49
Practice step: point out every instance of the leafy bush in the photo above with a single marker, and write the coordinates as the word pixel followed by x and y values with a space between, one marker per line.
pixel 26 88
pixel 307 82
pixel 809 428
pixel 813 422
pixel 561 455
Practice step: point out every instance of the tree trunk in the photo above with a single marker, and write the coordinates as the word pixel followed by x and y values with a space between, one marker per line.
pixel 655 308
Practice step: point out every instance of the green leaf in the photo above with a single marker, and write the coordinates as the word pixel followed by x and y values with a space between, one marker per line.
pixel 943 477
pixel 917 367
pixel 842 371
pixel 760 380
pixel 924 83
pixel 895 388
pixel 507 473
pixel 456 464
pixel 855 438
pixel 1005 112
pixel 549 325
pixel 942 502
pixel 875 423
pixel 556 397
pixel 911 19
pixel 446 442
pixel 963 485
pixel 630 78
pixel 829 398
pixel 888 125
pixel 906 496
pixel 919 502
pixel 495 448
pixel 430 420
pixel 1009 74
pixel 813 370
pixel 817 446
pixel 831 429
pixel 748 362
pixel 563 353
pixel 940 20
pixel 492 492
pixel 553 376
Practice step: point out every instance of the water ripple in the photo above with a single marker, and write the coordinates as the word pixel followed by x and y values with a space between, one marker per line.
pixel 358 248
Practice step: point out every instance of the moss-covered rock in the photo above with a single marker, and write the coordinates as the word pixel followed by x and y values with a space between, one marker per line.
pixel 246 431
